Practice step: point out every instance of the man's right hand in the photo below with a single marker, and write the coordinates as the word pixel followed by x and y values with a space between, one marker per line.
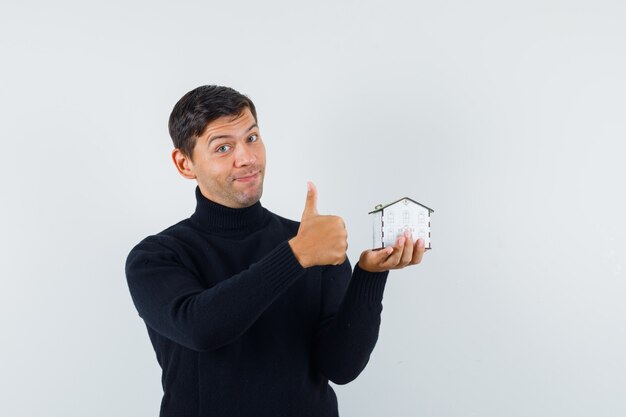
pixel 321 240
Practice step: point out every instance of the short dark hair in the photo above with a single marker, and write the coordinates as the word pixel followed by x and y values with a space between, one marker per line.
pixel 199 107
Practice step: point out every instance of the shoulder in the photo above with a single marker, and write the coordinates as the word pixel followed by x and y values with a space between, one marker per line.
pixel 167 242
pixel 284 222
pixel 173 235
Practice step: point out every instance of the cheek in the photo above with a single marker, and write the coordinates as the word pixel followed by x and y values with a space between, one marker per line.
pixel 220 170
pixel 214 170
pixel 261 154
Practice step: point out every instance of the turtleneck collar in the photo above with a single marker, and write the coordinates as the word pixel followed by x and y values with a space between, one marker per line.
pixel 214 217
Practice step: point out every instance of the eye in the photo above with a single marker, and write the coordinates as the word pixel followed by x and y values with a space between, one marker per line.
pixel 253 138
pixel 223 148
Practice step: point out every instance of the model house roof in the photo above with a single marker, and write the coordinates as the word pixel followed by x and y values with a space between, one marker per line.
pixel 381 207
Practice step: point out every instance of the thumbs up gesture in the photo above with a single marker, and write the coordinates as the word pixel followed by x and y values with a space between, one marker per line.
pixel 321 239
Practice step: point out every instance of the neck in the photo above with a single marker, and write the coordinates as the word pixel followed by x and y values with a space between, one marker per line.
pixel 214 217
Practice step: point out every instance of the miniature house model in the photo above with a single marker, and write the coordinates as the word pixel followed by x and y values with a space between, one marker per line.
pixel 391 221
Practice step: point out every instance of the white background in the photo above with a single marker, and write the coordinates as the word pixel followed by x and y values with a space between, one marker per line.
pixel 506 117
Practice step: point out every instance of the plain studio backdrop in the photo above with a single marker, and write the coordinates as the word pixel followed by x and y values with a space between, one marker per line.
pixel 507 118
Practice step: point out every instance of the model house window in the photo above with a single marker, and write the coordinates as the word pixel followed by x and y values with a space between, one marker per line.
pixel 405 216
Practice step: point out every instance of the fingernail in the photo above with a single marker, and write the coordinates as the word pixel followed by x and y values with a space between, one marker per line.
pixel 407 234
pixel 420 243
pixel 401 241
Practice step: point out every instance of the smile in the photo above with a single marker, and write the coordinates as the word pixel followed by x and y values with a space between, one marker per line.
pixel 248 178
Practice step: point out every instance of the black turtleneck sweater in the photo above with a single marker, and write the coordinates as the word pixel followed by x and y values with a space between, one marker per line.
pixel 239 327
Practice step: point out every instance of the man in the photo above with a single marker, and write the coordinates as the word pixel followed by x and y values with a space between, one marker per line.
pixel 251 314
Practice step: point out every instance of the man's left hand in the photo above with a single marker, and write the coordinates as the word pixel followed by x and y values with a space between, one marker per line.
pixel 404 253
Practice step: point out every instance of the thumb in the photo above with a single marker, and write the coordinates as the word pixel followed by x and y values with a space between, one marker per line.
pixel 310 207
pixel 373 260
pixel 378 256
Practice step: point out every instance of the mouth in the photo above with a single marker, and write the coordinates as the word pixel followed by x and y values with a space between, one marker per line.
pixel 248 177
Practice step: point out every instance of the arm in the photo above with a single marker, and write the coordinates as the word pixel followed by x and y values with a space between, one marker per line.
pixel 172 301
pixel 347 337
pixel 349 324
pixel 349 328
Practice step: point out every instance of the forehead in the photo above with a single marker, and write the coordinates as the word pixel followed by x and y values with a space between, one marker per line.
pixel 242 121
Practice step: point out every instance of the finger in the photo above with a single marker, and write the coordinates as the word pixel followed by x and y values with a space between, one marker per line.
pixel 393 259
pixel 418 251
pixel 341 260
pixel 378 257
pixel 407 253
pixel 382 255
pixel 310 207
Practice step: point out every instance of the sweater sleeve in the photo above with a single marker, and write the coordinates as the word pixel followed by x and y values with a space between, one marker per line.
pixel 348 333
pixel 172 301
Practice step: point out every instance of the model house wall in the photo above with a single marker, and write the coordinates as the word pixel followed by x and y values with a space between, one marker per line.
pixel 391 221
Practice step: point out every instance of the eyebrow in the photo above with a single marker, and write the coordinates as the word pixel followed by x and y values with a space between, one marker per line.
pixel 230 136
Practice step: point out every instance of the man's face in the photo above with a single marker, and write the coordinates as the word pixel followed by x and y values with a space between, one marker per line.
pixel 229 161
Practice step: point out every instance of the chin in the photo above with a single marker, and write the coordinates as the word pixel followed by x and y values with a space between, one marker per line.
pixel 247 200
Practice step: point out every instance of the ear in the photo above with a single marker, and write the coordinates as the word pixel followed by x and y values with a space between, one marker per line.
pixel 183 163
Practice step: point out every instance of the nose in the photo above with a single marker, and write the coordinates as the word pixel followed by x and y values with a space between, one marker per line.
pixel 244 156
